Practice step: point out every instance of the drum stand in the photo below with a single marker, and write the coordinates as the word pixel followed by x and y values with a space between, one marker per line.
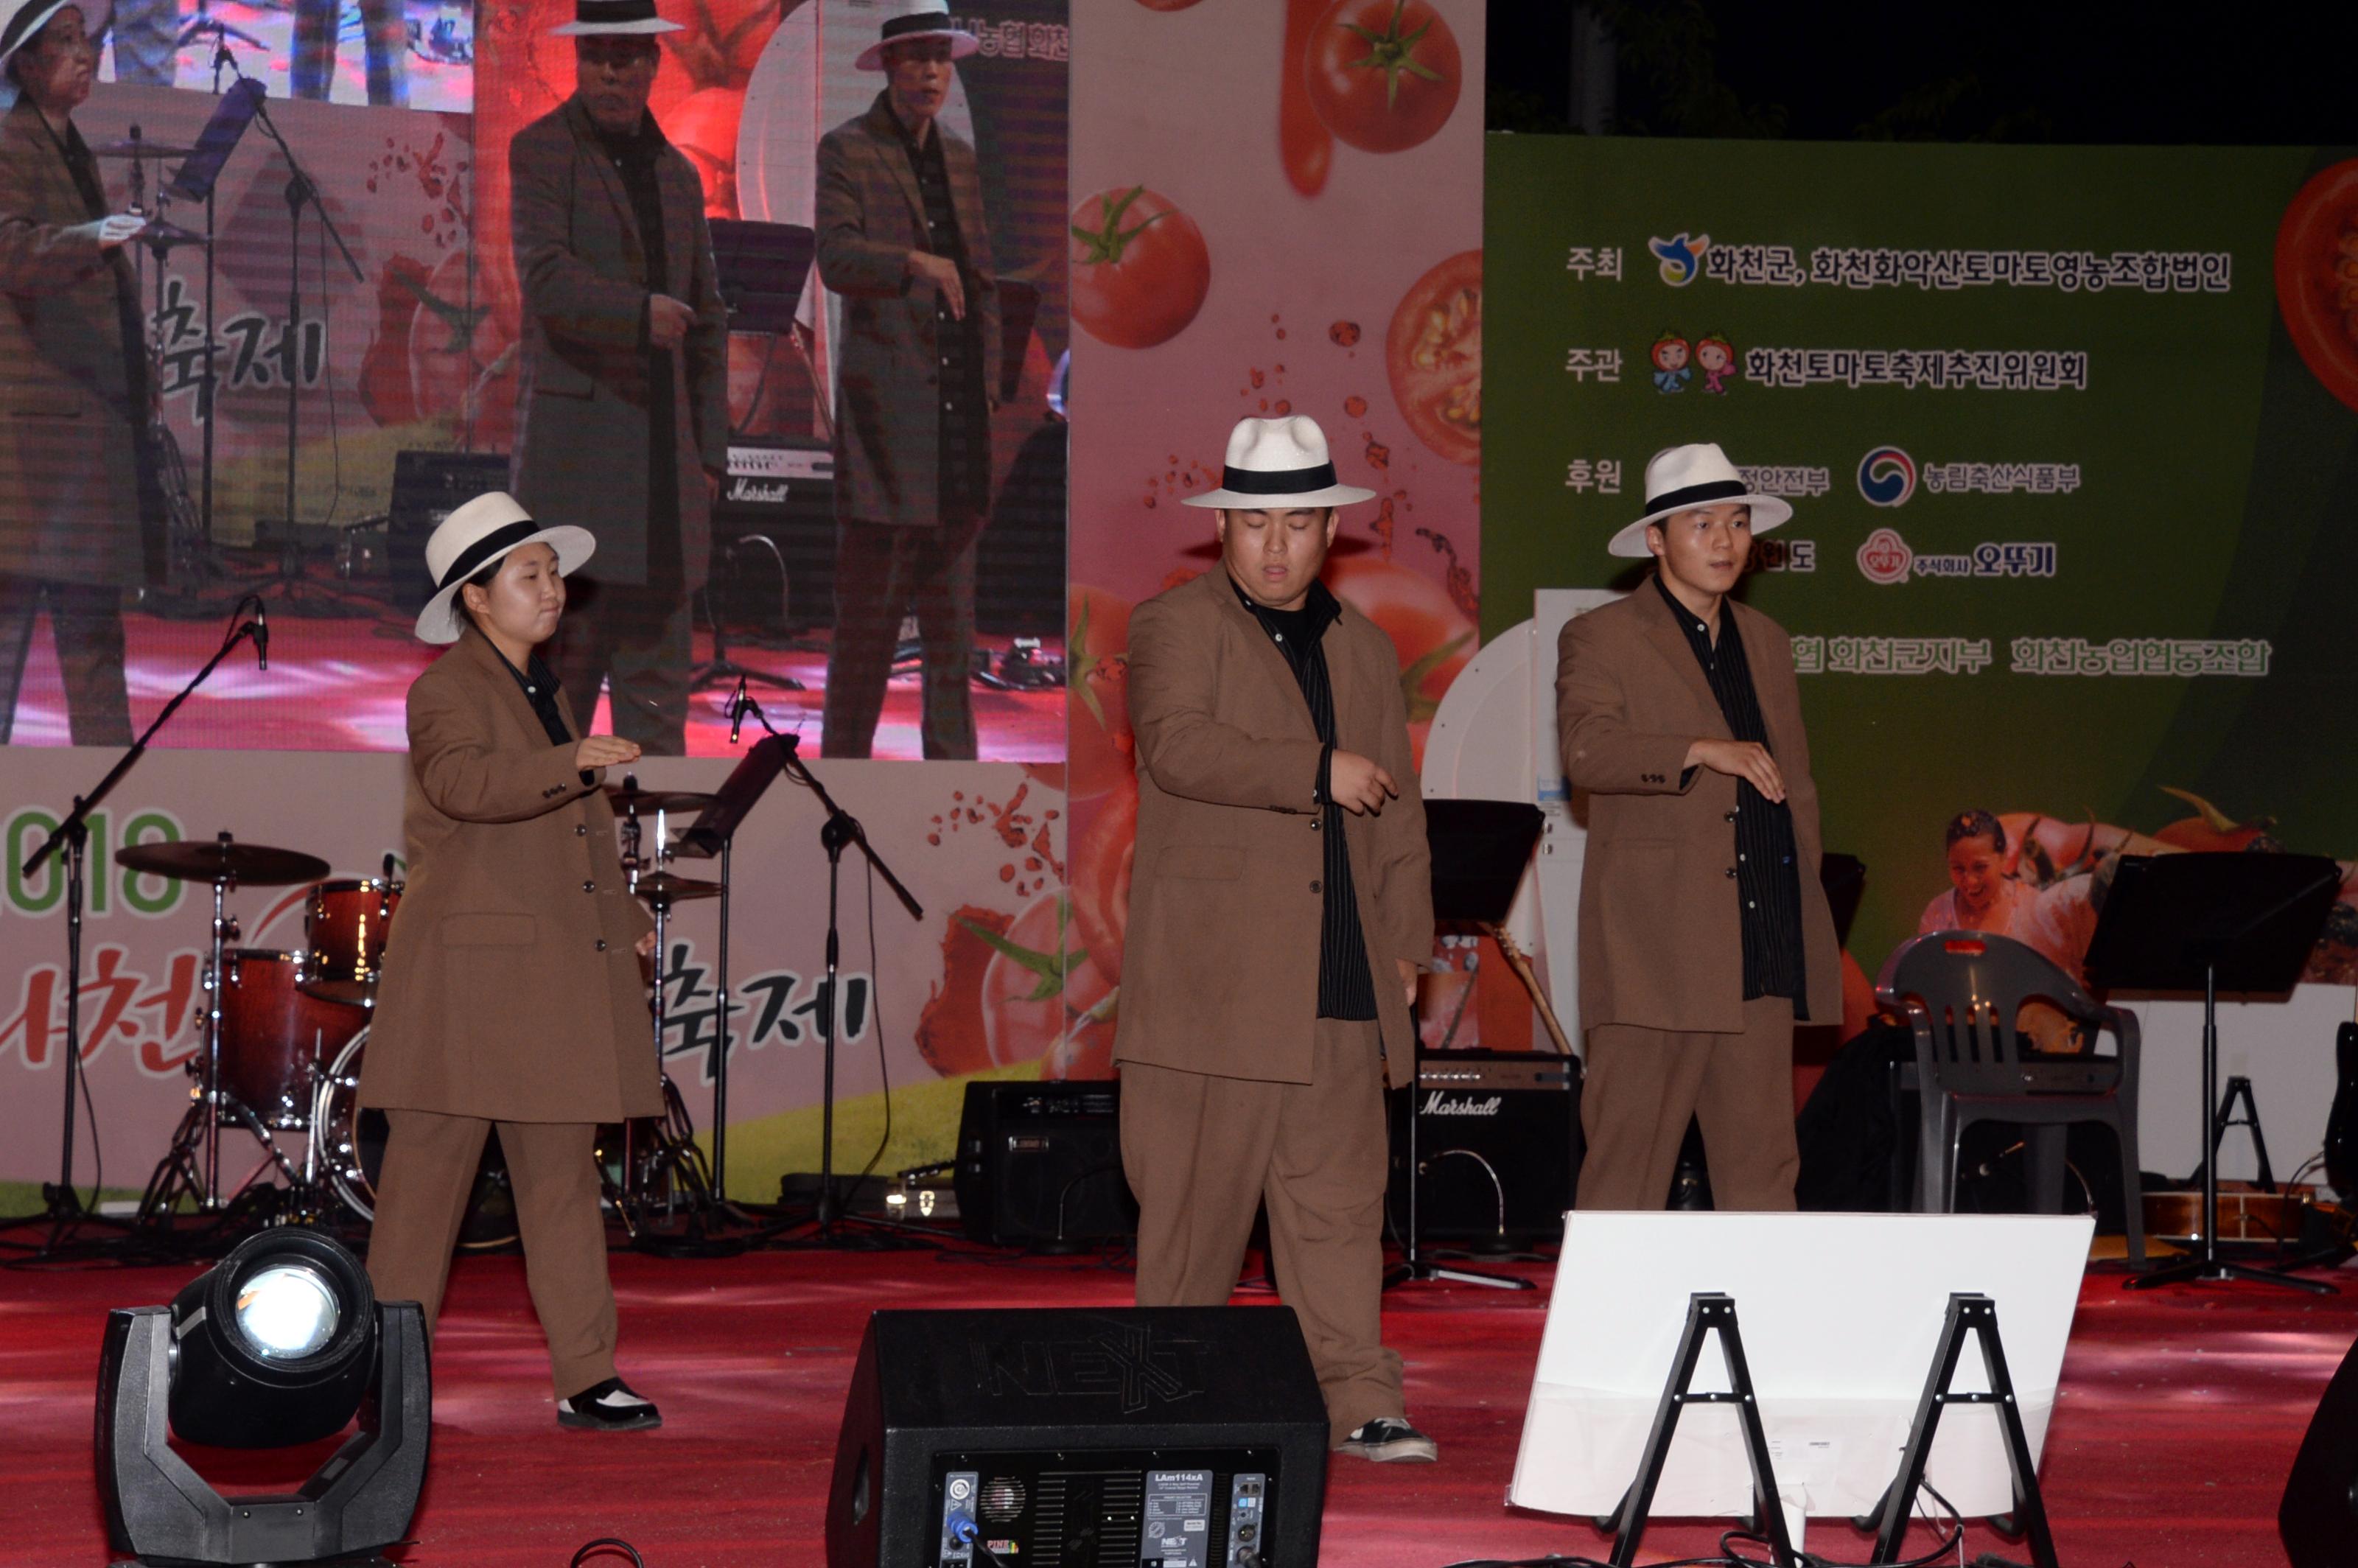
pixel 191 1166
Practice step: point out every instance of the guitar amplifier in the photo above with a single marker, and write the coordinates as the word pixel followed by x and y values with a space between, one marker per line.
pixel 1040 1164
pixel 773 537
pixel 1498 1142
pixel 428 486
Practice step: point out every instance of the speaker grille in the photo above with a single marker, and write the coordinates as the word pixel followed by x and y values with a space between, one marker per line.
pixel 1003 1500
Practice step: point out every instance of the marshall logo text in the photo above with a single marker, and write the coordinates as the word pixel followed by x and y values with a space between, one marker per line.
pixel 1438 1103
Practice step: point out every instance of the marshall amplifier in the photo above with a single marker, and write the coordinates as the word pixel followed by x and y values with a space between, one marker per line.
pixel 773 537
pixel 1157 1437
pixel 1497 1138
pixel 1039 1165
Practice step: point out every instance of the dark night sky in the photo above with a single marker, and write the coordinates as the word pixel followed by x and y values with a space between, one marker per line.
pixel 2024 71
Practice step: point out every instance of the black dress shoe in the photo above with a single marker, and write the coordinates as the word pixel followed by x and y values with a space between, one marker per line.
pixel 610 1406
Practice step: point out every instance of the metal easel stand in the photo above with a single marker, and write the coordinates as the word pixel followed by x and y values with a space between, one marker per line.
pixel 1977 1315
pixel 1707 1313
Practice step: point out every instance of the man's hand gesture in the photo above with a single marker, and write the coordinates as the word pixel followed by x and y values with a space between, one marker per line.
pixel 943 273
pixel 1742 760
pixel 1359 785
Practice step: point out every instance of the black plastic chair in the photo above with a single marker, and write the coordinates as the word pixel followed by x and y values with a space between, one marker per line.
pixel 1962 993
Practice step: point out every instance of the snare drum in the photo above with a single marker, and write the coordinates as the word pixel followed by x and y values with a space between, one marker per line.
pixel 274 1037
pixel 344 923
pixel 351 1151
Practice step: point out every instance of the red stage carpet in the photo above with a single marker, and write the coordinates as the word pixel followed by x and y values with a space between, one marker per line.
pixel 2179 1415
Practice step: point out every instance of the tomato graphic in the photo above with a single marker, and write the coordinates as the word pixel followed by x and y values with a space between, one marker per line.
pixel 1140 268
pixel 1434 354
pixel 703 126
pixel 462 358
pixel 1434 637
pixel 2317 277
pixel 1383 74
pixel 1096 638
pixel 1041 992
pixel 2212 829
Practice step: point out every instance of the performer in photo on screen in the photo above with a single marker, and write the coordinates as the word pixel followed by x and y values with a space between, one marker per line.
pixel 1705 932
pixel 622 406
pixel 1280 913
pixel 512 994
pixel 80 517
pixel 1981 896
pixel 902 238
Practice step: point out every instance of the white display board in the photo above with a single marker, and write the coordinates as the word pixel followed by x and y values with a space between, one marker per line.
pixel 1839 1313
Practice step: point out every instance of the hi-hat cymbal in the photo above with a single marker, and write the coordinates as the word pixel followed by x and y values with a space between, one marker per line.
pixel 644 801
pixel 160 236
pixel 212 860
pixel 662 889
pixel 143 148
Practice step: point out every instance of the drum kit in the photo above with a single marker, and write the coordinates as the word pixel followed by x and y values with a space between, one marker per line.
pixel 283 1035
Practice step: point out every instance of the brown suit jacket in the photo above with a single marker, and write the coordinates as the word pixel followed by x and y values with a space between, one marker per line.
pixel 510 990
pixel 1660 946
pixel 1219 971
pixel 70 504
pixel 581 454
pixel 887 414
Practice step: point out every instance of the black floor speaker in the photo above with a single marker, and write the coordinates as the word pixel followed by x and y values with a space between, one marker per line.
pixel 2319 1516
pixel 1498 1144
pixel 1039 1165
pixel 1180 1437
pixel 428 486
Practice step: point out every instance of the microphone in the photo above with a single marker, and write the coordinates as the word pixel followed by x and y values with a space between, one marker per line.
pixel 260 625
pixel 737 701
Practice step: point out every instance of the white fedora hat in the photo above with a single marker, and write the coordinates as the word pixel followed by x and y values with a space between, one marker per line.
pixel 595 18
pixel 1278 463
pixel 925 19
pixel 19 22
pixel 1678 479
pixel 476 535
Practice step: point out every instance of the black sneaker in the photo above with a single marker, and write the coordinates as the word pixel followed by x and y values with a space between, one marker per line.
pixel 1390 1439
pixel 610 1406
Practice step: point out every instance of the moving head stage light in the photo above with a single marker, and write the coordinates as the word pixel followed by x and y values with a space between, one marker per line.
pixel 277 1346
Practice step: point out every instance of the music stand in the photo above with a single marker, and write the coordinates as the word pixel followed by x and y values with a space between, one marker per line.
pixel 714 834
pixel 1479 849
pixel 2234 921
pixel 761 268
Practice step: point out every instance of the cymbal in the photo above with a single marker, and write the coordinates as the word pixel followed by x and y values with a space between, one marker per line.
pixel 210 861
pixel 160 236
pixel 628 800
pixel 143 148
pixel 662 888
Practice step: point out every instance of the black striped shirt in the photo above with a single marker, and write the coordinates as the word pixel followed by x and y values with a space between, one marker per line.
pixel 964 453
pixel 1346 987
pixel 1767 873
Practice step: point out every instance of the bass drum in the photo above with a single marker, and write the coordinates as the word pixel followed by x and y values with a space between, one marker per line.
pixel 352 1150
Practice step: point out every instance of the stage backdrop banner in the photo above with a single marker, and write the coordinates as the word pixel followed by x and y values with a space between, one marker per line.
pixel 972 988
pixel 2069 434
pixel 1254 233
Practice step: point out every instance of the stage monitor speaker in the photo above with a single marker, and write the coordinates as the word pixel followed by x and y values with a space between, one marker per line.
pixel 428 486
pixel 1174 1437
pixel 1498 1136
pixel 2319 1516
pixel 1040 1165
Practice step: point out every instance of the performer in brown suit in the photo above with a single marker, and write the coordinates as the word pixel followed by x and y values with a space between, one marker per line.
pixel 1274 941
pixel 512 991
pixel 81 519
pixel 622 406
pixel 1703 930
pixel 902 238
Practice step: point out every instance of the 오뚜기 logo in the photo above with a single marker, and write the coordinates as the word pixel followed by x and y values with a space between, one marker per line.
pixel 1680 257
pixel 1887 477
pixel 1886 558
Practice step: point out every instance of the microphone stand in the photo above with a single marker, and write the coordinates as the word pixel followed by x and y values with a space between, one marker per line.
pixel 63 1208
pixel 301 190
pixel 840 831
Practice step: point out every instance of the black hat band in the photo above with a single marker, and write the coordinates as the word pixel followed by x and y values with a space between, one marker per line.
pixel 610 12
pixel 1697 495
pixel 20 26
pixel 1281 481
pixel 497 542
pixel 917 22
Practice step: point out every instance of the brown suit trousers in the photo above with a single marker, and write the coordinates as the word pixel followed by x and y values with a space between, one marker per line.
pixel 1642 1085
pixel 429 1171
pixel 1203 1152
